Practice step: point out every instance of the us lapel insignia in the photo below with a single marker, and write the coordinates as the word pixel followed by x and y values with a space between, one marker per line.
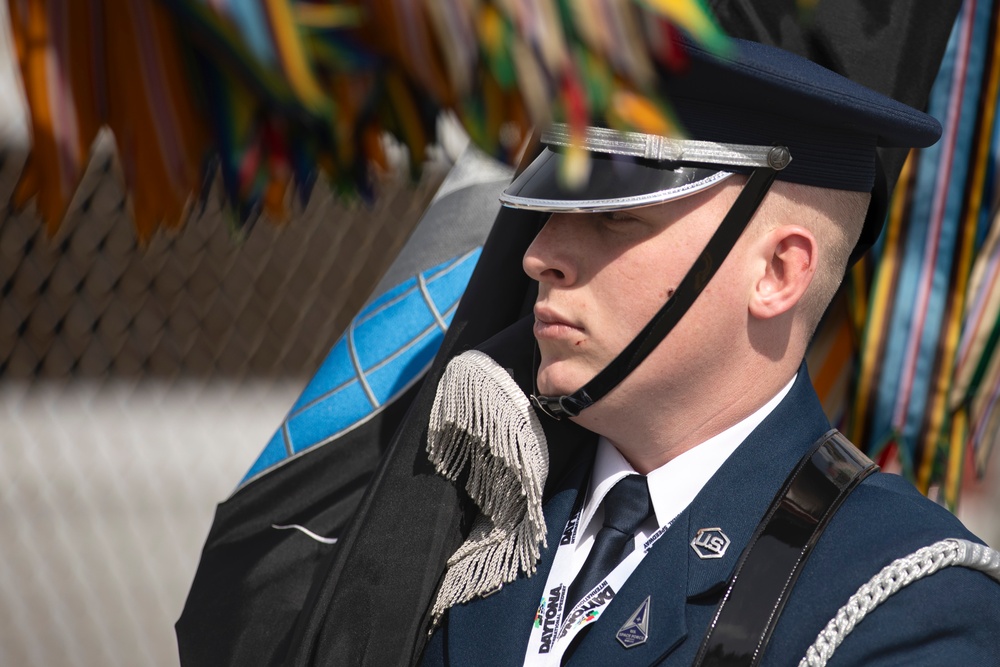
pixel 636 628
pixel 710 543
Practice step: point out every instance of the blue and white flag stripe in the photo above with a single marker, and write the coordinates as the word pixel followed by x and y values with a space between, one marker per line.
pixel 386 348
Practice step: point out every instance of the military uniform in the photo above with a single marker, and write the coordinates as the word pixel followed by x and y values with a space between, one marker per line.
pixel 769 115
pixel 948 618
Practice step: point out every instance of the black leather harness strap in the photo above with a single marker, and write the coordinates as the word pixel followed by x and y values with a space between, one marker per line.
pixel 777 552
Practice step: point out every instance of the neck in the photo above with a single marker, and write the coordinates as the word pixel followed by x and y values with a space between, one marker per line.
pixel 649 433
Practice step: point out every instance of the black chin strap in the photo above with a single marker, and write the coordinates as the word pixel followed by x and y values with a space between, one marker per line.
pixel 663 322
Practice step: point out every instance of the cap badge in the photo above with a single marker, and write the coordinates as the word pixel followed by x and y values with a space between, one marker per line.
pixel 778 158
pixel 710 543
pixel 636 628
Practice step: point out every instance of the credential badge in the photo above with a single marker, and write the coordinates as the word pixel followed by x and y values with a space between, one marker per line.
pixel 636 628
pixel 710 543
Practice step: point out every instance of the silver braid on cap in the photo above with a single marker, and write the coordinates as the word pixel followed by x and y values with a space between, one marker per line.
pixel 663 149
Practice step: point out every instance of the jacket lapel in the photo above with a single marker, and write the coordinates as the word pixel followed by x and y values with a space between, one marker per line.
pixel 495 630
pixel 737 497
pixel 684 582
pixel 660 579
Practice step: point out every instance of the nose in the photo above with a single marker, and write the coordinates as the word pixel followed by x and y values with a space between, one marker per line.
pixel 548 259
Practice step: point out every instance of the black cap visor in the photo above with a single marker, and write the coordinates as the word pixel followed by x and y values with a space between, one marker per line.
pixel 615 182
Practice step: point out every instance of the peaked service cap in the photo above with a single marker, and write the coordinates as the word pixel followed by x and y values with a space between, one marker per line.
pixel 735 109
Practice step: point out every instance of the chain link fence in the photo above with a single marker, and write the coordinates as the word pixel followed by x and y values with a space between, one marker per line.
pixel 199 301
pixel 137 386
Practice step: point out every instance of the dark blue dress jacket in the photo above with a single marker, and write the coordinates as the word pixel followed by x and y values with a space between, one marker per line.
pixel 949 618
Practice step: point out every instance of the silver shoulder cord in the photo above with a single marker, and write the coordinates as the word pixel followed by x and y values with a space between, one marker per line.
pixel 893 577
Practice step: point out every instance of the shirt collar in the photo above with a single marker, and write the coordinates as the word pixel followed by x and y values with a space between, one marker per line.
pixel 675 484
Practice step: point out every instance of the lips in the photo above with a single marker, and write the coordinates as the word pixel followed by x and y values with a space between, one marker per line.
pixel 552 325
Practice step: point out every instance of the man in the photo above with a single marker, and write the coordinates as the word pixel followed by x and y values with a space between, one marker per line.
pixel 677 292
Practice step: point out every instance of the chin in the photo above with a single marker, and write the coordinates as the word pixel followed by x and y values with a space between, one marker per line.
pixel 555 381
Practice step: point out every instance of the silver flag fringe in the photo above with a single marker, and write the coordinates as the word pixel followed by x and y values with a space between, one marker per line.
pixel 481 417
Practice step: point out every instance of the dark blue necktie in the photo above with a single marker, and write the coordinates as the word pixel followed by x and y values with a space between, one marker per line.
pixel 626 506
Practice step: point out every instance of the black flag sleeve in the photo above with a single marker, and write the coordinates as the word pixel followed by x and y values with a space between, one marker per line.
pixel 287 518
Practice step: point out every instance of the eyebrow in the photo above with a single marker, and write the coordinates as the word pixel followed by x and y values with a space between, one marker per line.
pixel 619 215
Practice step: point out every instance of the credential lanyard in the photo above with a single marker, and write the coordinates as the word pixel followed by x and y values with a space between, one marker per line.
pixel 555 626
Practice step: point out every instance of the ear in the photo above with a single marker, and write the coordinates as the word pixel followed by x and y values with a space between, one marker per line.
pixel 789 256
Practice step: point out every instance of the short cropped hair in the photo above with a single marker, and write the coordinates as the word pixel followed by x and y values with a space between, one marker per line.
pixel 835 218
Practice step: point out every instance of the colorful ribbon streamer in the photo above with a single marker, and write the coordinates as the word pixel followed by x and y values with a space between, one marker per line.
pixel 272 91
